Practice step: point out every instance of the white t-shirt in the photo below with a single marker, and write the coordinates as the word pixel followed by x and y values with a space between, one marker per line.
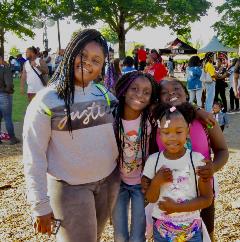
pixel 33 81
pixel 181 189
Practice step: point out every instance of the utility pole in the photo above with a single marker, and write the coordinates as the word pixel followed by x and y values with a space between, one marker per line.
pixel 59 39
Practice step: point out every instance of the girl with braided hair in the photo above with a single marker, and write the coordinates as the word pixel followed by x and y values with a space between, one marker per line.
pixel 69 146
pixel 136 91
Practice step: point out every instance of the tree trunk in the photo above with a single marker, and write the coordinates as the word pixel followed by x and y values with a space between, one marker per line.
pixel 2 42
pixel 121 36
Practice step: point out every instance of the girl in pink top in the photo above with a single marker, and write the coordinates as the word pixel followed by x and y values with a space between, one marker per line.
pixel 202 139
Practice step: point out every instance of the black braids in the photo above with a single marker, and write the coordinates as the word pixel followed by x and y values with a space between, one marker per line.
pixel 63 77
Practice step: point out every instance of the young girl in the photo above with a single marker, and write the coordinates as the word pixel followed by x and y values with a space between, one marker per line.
pixel 175 188
pixel 68 138
pixel 135 91
pixel 174 93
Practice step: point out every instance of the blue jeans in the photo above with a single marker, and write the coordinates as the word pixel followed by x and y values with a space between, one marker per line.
pixel 6 112
pixel 134 194
pixel 210 94
pixel 158 238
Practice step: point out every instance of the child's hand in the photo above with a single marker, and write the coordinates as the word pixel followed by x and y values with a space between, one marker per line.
pixel 206 172
pixel 163 175
pixel 168 205
pixel 206 118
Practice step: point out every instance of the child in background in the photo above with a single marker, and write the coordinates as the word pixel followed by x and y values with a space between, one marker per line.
pixel 136 91
pixel 220 116
pixel 128 65
pixel 175 188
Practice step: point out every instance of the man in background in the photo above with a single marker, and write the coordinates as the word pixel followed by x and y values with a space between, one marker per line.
pixel 6 92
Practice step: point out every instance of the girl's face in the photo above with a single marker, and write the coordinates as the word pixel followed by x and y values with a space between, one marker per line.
pixel 172 93
pixel 138 94
pixel 92 63
pixel 216 108
pixel 173 133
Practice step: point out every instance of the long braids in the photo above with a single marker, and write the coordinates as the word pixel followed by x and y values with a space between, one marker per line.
pixel 63 77
pixel 121 87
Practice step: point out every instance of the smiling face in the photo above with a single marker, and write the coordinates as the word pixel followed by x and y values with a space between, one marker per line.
pixel 91 66
pixel 172 92
pixel 173 134
pixel 138 95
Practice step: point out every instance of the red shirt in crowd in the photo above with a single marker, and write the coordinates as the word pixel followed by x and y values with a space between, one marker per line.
pixel 142 55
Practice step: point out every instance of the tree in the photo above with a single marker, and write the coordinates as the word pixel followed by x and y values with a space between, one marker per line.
pixel 228 27
pixel 121 15
pixel 186 37
pixel 14 51
pixel 16 16
pixel 109 34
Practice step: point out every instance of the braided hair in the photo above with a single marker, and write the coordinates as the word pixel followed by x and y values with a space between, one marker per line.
pixel 63 78
pixel 121 88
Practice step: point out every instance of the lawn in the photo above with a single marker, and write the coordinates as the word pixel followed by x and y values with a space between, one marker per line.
pixel 19 102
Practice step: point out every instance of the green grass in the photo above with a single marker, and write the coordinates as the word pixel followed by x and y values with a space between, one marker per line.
pixel 20 102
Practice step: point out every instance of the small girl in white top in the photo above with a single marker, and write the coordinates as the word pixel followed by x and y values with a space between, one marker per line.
pixel 176 190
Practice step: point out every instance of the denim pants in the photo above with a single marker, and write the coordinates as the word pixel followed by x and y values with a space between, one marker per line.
pixel 210 94
pixel 6 112
pixel 83 209
pixel 196 94
pixel 158 238
pixel 127 194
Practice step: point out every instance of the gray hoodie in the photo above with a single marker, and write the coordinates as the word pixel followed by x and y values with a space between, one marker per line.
pixel 89 155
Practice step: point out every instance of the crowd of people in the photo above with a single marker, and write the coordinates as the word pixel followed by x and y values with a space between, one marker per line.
pixel 105 133
pixel 35 71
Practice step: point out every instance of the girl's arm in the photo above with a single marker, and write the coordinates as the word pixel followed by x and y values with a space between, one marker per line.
pixel 203 201
pixel 220 151
pixel 205 117
pixel 163 176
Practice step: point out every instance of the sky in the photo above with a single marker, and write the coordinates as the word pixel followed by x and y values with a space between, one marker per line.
pixel 151 37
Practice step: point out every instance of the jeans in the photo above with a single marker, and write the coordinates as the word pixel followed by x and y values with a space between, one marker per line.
pixel 233 99
pixel 158 238
pixel 134 194
pixel 220 90
pixel 83 209
pixel 6 112
pixel 196 94
pixel 210 94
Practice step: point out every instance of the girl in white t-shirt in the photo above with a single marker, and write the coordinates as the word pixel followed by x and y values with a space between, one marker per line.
pixel 176 190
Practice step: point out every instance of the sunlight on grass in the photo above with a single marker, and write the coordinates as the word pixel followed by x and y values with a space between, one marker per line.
pixel 19 102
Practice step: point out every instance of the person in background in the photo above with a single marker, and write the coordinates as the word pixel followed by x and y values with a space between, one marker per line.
pixel 233 99
pixel 155 66
pixel 194 84
pixel 220 116
pixel 47 58
pixel 32 70
pixel 170 66
pixel 128 65
pixel 21 60
pixel 59 58
pixel 209 86
pixel 236 80
pixel 6 95
pixel 142 57
pixel 220 88
pixel 135 57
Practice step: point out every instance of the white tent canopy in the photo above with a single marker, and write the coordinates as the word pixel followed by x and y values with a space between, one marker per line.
pixel 216 46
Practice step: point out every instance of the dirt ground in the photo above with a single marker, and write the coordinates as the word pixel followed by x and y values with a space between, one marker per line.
pixel 15 220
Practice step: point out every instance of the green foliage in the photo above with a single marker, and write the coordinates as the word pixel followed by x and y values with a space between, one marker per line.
pixel 228 27
pixel 121 15
pixel 14 51
pixel 109 34
pixel 186 37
